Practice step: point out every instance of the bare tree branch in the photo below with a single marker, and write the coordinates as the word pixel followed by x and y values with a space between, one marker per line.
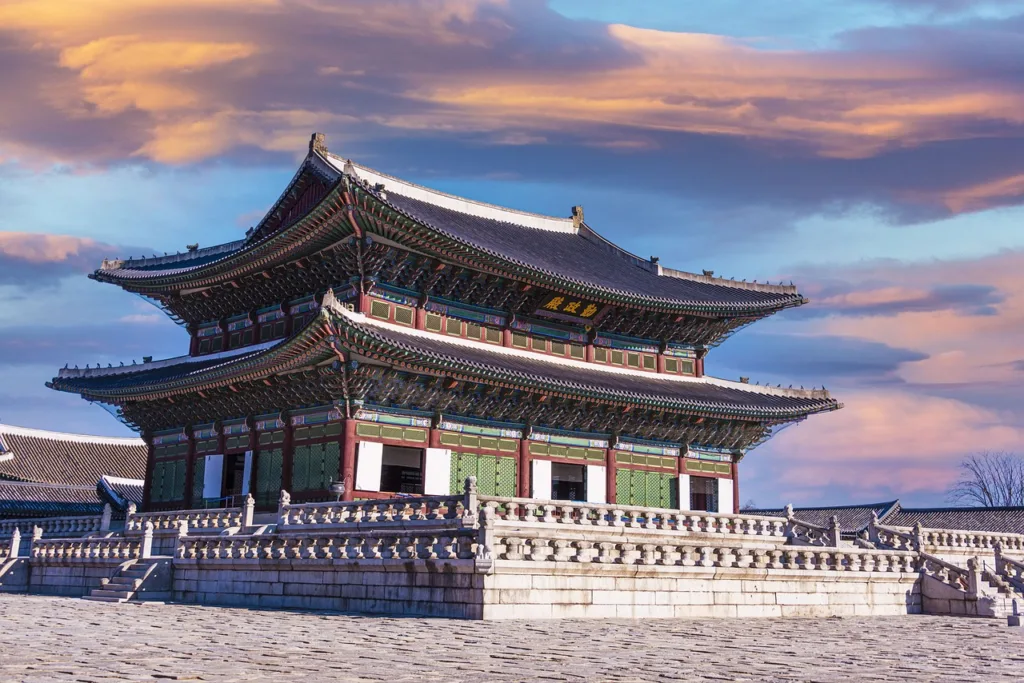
pixel 990 479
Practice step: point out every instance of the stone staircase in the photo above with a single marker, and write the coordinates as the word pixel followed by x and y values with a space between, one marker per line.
pixel 135 581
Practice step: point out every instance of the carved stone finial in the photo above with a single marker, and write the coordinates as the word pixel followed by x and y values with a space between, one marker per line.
pixel 192 247
pixel 789 511
pixel 318 143
pixel 285 498
pixel 709 273
pixel 577 217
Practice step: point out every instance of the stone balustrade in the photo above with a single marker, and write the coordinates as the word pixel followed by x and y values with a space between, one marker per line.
pixel 341 546
pixel 516 547
pixel 948 573
pixel 53 526
pixel 213 519
pixel 1009 569
pixel 528 510
pixel 804 533
pixel 86 550
pixel 892 537
pixel 390 511
pixel 949 539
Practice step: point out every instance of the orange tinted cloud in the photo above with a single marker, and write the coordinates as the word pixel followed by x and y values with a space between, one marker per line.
pixel 42 248
pixel 891 440
pixel 266 68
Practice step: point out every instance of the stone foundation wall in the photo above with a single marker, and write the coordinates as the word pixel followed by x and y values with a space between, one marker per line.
pixel 14 575
pixel 567 590
pixel 404 588
pixel 74 580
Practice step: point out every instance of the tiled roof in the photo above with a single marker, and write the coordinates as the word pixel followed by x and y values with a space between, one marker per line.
pixel 68 459
pixel 120 492
pixel 584 258
pixel 558 248
pixel 30 499
pixel 852 518
pixel 437 353
pixel 995 519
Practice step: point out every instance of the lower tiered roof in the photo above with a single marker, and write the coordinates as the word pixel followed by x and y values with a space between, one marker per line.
pixel 338 335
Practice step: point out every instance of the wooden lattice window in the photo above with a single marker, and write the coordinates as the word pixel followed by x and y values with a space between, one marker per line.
pixel 433 322
pixel 380 309
pixel 493 336
pixel 405 316
pixel 577 351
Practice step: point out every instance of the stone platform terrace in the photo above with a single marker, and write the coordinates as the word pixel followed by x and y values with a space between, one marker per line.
pixel 64 639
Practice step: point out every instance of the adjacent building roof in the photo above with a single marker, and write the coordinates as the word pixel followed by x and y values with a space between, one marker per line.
pixel 562 253
pixel 995 519
pixel 44 473
pixel 70 459
pixel 435 354
pixel 852 518
pixel 31 499
pixel 855 518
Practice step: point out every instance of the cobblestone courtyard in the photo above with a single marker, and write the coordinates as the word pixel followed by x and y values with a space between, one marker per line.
pixel 62 639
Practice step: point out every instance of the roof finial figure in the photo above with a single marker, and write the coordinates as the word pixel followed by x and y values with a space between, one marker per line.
pixel 318 143
pixel 577 217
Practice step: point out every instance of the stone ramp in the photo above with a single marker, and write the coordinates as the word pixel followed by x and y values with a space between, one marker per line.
pixel 141 580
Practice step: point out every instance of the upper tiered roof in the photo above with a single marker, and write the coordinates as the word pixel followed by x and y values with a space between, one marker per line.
pixel 331 198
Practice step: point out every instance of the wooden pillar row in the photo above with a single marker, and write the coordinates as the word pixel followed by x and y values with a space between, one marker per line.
pixel 524 467
pixel 609 486
pixel 348 459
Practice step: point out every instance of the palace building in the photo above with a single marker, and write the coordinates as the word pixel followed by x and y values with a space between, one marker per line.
pixel 371 337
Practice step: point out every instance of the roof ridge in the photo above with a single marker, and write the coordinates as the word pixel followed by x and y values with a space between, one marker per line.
pixel 454 202
pixel 163 363
pixel 966 508
pixel 118 263
pixel 48 485
pixel 67 436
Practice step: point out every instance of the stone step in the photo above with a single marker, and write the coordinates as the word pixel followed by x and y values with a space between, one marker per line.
pixel 123 583
pixel 106 593
pixel 100 598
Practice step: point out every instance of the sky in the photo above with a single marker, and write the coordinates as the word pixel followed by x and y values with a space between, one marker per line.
pixel 871 151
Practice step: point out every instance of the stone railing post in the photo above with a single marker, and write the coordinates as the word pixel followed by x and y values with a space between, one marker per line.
pixel 973 578
pixel 15 543
pixel 485 543
pixel 469 504
pixel 248 509
pixel 182 535
pixel 873 528
pixel 837 532
pixel 129 513
pixel 918 537
pixel 283 501
pixel 147 541
pixel 105 517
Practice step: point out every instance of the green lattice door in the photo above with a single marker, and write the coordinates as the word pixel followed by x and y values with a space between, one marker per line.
pixel 646 489
pixel 167 483
pixel 268 477
pixel 495 476
pixel 315 466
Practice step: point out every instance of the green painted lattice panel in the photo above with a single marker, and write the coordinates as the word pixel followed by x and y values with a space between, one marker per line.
pixel 198 479
pixel 268 476
pixel 300 468
pixel 495 476
pixel 177 491
pixel 156 483
pixel 646 489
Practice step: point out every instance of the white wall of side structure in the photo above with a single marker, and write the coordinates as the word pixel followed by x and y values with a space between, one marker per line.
pixel 597 484
pixel 437 478
pixel 212 476
pixel 684 492
pixel 368 464
pixel 541 485
pixel 725 501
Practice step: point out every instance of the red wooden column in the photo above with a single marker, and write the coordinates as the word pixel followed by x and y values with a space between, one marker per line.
pixel 699 367
pixel 348 459
pixel 735 487
pixel 660 363
pixel 524 467
pixel 609 470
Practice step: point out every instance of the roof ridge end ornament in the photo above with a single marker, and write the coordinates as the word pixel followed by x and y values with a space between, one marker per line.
pixel 577 216
pixel 318 144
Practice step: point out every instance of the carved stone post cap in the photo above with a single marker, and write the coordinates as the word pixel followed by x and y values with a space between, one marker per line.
pixel 471 484
pixel 789 510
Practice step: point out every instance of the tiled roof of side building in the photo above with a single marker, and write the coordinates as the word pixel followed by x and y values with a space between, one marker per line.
pixel 994 519
pixel 68 459
pixel 852 518
pixel 31 499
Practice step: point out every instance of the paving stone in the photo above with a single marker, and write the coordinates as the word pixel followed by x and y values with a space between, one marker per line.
pixel 66 639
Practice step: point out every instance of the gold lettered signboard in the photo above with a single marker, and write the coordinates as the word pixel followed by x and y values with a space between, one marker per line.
pixel 561 305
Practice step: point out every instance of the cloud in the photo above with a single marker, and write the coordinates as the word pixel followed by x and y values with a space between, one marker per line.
pixel 962 299
pixel 810 360
pixel 35 260
pixel 110 343
pixel 883 443
pixel 924 120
